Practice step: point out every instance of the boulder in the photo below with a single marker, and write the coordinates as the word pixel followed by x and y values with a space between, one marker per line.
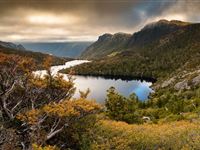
pixel 196 80
pixel 167 82
pixel 182 85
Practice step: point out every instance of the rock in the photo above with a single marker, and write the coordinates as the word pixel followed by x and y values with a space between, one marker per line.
pixel 146 118
pixel 196 80
pixel 167 83
pixel 182 85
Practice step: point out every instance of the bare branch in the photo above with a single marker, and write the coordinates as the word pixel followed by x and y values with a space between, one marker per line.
pixel 52 134
pixel 16 105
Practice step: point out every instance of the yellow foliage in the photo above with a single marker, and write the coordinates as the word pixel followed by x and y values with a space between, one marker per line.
pixel 31 116
pixel 71 108
pixel 37 147
pixel 63 109
pixel 4 57
pixel 59 82
pixel 48 62
pixel 66 108
pixel 120 135
pixel 38 82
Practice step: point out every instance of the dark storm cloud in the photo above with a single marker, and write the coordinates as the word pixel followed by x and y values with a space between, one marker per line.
pixel 32 20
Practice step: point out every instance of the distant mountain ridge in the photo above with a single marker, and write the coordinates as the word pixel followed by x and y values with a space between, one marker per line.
pixel 12 45
pixel 108 43
pixel 60 49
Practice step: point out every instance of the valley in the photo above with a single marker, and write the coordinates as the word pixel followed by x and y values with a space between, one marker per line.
pixel 59 49
pixel 99 75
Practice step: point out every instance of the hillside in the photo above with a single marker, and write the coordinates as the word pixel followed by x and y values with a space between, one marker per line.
pixel 38 57
pixel 12 45
pixel 108 43
pixel 60 49
pixel 145 55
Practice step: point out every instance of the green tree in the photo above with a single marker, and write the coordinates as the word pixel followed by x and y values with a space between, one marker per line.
pixel 121 108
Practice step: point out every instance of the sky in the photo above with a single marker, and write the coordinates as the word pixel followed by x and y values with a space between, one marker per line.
pixel 85 20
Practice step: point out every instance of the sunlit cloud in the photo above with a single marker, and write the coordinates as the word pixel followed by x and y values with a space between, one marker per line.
pixel 49 19
pixel 173 17
pixel 15 37
pixel 84 21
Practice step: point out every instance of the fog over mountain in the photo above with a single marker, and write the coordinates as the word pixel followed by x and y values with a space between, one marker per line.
pixel 62 49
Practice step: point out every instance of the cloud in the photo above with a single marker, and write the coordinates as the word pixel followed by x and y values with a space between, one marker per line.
pixel 67 20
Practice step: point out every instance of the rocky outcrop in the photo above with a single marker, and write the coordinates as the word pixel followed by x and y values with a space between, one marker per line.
pixel 196 80
pixel 188 82
pixel 182 85
pixel 167 82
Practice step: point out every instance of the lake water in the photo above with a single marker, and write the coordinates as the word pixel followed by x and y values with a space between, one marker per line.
pixel 99 85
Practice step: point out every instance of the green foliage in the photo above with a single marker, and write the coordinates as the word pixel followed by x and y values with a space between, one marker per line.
pixel 156 59
pixel 163 106
pixel 121 108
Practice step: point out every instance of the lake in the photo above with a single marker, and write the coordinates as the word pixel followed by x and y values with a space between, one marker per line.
pixel 99 85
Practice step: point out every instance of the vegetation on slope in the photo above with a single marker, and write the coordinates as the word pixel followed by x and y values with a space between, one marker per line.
pixel 41 114
pixel 156 59
pixel 173 58
pixel 105 45
pixel 37 57
pixel 36 111
pixel 164 105
pixel 118 42
pixel 60 49
pixel 119 135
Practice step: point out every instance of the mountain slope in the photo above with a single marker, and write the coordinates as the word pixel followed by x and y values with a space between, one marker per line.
pixel 157 59
pixel 12 45
pixel 108 44
pixel 155 31
pixel 38 57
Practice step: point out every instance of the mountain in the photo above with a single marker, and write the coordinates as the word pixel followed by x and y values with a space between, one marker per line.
pixel 12 45
pixel 156 51
pixel 61 49
pixel 108 43
pixel 155 31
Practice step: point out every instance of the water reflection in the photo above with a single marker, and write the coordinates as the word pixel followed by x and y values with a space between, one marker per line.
pixel 99 86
